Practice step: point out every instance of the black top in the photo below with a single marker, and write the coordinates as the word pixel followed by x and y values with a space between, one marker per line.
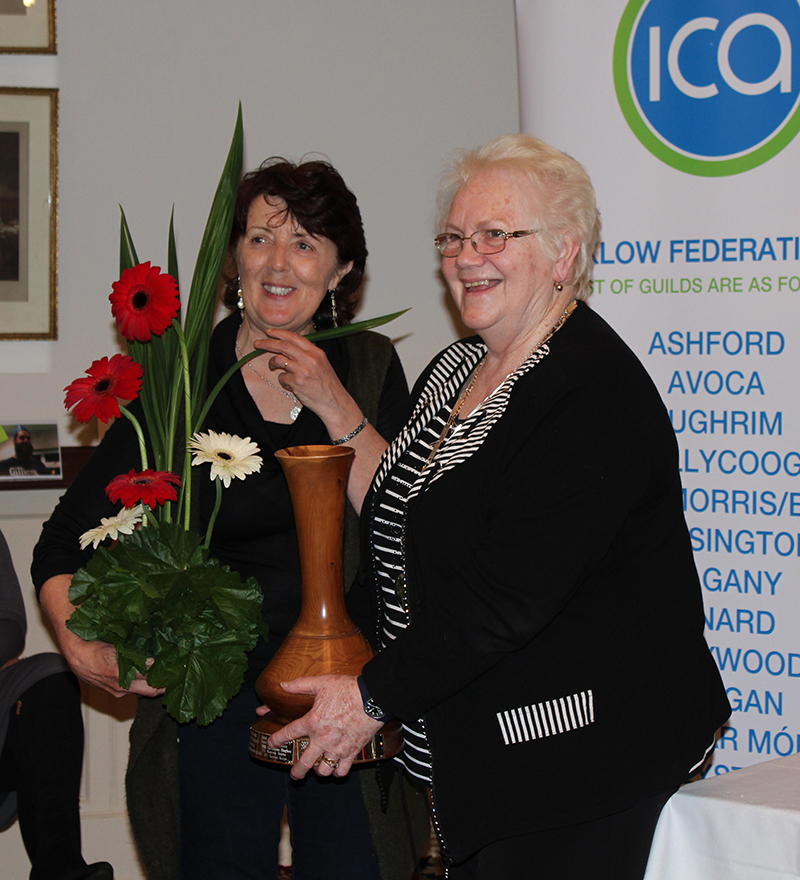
pixel 555 647
pixel 254 533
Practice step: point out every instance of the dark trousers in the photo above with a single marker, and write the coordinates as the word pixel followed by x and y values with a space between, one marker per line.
pixel 41 760
pixel 231 809
pixel 611 848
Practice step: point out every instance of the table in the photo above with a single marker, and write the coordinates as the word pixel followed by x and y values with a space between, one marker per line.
pixel 743 825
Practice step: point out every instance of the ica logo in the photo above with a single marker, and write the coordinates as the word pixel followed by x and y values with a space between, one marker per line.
pixel 711 87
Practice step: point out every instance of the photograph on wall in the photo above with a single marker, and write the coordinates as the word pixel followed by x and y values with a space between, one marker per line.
pixel 13 182
pixel 28 215
pixel 28 26
pixel 29 450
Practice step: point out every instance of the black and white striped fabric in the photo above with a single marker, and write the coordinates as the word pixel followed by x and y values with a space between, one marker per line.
pixel 402 476
pixel 547 718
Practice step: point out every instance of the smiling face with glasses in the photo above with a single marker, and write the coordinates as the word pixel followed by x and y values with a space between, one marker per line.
pixel 501 281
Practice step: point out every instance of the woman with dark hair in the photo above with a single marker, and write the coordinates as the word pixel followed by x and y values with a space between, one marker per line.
pixel 298 251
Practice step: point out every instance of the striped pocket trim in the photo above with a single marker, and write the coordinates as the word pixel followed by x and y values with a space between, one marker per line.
pixel 546 719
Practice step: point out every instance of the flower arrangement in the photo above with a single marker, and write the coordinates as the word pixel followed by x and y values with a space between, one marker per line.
pixel 171 610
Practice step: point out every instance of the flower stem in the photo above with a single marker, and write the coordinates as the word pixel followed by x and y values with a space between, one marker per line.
pixel 138 428
pixel 213 518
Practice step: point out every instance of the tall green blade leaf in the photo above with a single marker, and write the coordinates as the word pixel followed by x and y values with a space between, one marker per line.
pixel 351 329
pixel 172 251
pixel 210 260
pixel 127 252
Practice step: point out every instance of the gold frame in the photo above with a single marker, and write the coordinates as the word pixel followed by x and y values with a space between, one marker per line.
pixel 31 34
pixel 28 307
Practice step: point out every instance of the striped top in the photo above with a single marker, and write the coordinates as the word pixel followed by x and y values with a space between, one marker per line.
pixel 401 477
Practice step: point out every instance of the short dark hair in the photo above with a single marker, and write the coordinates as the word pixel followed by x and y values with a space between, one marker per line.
pixel 319 200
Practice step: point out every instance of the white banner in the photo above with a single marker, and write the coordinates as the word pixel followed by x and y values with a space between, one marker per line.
pixel 685 112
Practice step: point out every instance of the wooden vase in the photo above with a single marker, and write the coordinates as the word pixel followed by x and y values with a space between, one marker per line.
pixel 324 640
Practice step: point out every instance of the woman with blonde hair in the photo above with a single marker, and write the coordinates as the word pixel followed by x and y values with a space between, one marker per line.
pixel 539 615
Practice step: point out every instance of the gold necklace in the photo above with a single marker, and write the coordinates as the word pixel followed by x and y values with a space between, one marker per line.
pixel 454 414
pixel 556 327
pixel 462 400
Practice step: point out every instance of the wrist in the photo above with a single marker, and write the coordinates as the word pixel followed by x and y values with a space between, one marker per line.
pixel 340 419
pixel 352 434
pixel 371 708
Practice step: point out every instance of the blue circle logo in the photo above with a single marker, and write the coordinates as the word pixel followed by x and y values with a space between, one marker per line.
pixel 711 87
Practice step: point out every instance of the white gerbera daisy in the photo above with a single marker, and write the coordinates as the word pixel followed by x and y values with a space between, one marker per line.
pixel 228 455
pixel 113 526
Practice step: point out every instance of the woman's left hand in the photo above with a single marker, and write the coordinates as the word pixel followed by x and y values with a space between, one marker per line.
pixel 304 369
pixel 337 726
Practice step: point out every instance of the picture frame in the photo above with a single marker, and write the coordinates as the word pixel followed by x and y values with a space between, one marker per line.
pixel 28 213
pixel 28 27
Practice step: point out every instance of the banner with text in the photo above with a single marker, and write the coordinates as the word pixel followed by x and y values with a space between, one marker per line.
pixel 684 113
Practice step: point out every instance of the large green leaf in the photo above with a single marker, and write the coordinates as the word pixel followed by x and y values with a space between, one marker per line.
pixel 199 684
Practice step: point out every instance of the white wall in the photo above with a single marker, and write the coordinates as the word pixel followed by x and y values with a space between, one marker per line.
pixel 149 92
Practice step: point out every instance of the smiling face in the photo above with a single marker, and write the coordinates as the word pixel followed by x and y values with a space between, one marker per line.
pixel 284 271
pixel 503 297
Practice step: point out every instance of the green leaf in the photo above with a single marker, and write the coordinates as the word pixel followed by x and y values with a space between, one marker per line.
pixel 236 607
pixel 127 252
pixel 199 684
pixel 358 327
pixel 172 251
pixel 210 260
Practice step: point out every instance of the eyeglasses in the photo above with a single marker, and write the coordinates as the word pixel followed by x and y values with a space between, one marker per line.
pixel 485 241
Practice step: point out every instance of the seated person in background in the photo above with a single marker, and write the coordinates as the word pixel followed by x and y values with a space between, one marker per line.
pixel 40 774
pixel 23 463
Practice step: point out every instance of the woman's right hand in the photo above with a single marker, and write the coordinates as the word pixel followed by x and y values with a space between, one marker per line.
pixel 93 662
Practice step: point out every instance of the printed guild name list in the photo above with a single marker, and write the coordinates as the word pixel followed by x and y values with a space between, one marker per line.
pixel 739 467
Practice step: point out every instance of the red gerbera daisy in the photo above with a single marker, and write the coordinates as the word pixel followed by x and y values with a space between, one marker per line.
pixel 144 302
pixel 120 376
pixel 146 487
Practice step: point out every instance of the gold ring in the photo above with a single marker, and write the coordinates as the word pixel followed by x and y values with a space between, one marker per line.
pixel 330 762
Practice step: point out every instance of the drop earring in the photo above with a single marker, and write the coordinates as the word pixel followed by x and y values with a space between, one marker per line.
pixel 240 298
pixel 334 314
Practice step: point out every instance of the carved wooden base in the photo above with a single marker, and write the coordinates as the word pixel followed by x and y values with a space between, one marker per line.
pixel 385 744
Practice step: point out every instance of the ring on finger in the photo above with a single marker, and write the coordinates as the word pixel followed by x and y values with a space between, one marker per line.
pixel 330 762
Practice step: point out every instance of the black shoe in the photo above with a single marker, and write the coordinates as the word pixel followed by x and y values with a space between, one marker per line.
pixel 95 871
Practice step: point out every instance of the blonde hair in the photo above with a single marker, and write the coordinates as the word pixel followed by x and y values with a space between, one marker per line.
pixel 563 189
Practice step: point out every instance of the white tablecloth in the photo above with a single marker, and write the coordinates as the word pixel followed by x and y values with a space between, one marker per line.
pixel 744 825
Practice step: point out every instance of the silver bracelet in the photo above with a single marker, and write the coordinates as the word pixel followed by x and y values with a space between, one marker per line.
pixel 352 434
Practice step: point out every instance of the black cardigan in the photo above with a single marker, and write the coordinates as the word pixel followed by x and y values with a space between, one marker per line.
pixel 553 569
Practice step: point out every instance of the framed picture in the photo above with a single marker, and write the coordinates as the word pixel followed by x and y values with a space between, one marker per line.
pixel 28 212
pixel 28 26
pixel 29 451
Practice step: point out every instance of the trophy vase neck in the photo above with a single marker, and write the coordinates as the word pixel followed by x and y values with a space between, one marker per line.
pixel 317 478
pixel 324 640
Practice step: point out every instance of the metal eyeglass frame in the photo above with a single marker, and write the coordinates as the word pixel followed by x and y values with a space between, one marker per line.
pixel 445 238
